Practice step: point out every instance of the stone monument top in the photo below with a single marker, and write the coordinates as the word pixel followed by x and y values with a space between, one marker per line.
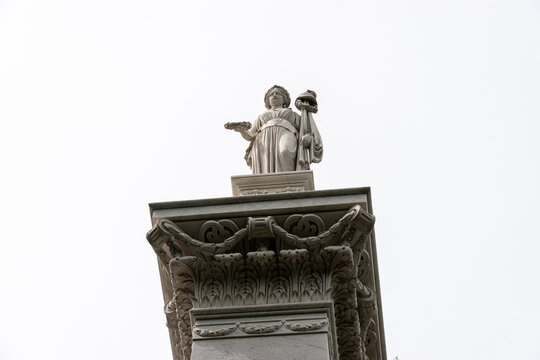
pixel 276 271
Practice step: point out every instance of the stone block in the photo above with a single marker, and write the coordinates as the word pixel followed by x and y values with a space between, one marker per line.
pixel 287 331
pixel 272 183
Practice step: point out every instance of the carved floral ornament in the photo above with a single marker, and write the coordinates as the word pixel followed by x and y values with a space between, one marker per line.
pixel 298 261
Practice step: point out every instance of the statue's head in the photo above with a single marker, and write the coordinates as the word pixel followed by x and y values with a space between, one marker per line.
pixel 284 94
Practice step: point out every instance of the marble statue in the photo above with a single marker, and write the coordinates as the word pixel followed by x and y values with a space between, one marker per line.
pixel 280 139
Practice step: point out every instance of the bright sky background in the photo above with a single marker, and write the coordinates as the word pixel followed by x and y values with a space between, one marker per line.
pixel 106 106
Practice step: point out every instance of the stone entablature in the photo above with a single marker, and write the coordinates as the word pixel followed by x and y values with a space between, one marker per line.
pixel 271 250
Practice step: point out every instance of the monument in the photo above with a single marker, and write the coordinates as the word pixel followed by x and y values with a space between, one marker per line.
pixel 279 269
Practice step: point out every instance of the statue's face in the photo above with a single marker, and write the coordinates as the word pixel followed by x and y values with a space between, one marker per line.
pixel 276 98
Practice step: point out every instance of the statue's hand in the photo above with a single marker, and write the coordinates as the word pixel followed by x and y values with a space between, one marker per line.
pixel 306 140
pixel 238 126
pixel 301 105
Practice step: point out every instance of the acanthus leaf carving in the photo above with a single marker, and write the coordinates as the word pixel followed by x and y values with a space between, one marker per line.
pixel 295 266
pixel 261 268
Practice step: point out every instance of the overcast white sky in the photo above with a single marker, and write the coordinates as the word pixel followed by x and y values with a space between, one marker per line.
pixel 106 106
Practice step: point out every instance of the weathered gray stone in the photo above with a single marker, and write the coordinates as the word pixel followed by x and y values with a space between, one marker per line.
pixel 288 331
pixel 272 183
pixel 227 207
pixel 279 250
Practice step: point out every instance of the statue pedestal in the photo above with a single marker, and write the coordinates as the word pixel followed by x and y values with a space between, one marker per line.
pixel 272 183
pixel 278 275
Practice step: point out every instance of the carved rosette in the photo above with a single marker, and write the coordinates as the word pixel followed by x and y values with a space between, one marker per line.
pixel 300 260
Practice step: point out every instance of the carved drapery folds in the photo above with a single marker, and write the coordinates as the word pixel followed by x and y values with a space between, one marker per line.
pixel 298 259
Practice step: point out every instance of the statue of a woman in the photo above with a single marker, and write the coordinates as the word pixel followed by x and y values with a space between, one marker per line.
pixel 280 139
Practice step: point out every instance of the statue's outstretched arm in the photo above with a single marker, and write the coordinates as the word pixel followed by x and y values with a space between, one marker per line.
pixel 246 135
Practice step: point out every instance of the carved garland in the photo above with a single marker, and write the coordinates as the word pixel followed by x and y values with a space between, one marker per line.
pixel 261 329
pixel 306 327
pixel 257 329
pixel 215 332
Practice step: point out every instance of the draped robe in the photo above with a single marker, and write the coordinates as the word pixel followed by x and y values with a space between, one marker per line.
pixel 274 142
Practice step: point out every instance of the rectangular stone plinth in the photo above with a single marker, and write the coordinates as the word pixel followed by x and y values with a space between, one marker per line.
pixel 272 183
pixel 287 331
